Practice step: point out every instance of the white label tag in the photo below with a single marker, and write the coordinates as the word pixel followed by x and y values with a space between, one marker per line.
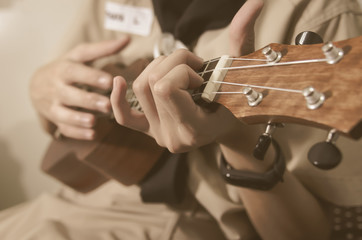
pixel 130 19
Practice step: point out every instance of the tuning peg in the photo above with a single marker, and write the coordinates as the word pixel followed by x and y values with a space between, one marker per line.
pixel 271 55
pixel 253 97
pixel 308 37
pixel 313 98
pixel 332 53
pixel 264 140
pixel 325 155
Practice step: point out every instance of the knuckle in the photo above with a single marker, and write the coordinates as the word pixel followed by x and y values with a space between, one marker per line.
pixel 120 119
pixel 160 59
pixel 65 68
pixel 173 144
pixel 183 68
pixel 160 142
pixel 181 53
pixel 82 119
pixel 176 148
pixel 90 100
pixel 80 49
pixel 139 87
pixel 162 90
pixel 173 147
pixel 60 92
pixel 153 78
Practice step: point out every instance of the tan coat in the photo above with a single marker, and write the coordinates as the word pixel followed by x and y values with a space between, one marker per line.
pixel 212 209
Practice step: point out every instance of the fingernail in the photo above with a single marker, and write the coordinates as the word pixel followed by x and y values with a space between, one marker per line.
pixel 115 82
pixel 89 135
pixel 105 80
pixel 85 120
pixel 103 105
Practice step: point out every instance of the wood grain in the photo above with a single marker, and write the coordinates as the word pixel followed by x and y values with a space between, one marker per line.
pixel 340 82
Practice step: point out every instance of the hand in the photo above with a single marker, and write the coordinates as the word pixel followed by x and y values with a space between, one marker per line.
pixel 241 31
pixel 170 115
pixel 55 94
pixel 169 112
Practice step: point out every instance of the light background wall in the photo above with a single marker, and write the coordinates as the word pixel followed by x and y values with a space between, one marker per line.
pixel 29 32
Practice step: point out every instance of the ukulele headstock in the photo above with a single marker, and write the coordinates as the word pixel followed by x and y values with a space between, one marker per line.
pixel 318 85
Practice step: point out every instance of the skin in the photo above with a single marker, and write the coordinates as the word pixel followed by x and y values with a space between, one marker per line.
pixel 56 98
pixel 288 211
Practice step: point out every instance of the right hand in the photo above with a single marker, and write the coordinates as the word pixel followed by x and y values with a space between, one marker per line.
pixel 55 96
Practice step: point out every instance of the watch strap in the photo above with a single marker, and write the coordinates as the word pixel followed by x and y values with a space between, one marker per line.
pixel 260 181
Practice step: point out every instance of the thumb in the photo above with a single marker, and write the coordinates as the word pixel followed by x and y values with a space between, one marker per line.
pixel 241 31
pixel 87 52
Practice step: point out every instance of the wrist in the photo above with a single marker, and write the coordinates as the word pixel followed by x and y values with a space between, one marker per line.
pixel 243 159
pixel 253 179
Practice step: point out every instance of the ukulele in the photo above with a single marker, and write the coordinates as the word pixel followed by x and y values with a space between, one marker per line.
pixel 318 85
pixel 118 153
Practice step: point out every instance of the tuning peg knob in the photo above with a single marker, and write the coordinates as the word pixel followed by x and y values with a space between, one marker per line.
pixel 332 53
pixel 264 140
pixel 253 97
pixel 308 37
pixel 325 155
pixel 314 98
pixel 271 55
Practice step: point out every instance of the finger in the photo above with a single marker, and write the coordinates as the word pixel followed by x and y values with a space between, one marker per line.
pixel 180 56
pixel 77 132
pixel 123 113
pixel 158 117
pixel 241 32
pixel 179 110
pixel 73 72
pixel 91 51
pixel 67 116
pixel 76 97
pixel 173 95
pixel 144 95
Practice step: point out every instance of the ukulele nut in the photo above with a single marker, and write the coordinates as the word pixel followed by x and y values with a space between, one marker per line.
pixel 314 98
pixel 332 53
pixel 253 97
pixel 216 78
pixel 271 55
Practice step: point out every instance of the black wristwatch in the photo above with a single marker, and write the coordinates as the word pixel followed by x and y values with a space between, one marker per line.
pixel 260 181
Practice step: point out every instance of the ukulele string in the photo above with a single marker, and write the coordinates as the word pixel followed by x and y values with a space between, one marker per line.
pixel 255 86
pixel 135 104
pixel 267 65
pixel 259 66
pixel 207 63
